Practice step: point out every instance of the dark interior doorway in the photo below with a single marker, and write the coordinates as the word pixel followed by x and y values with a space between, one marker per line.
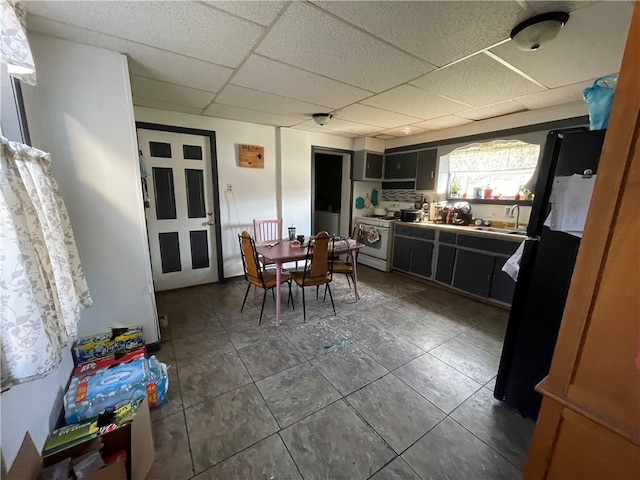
pixel 327 192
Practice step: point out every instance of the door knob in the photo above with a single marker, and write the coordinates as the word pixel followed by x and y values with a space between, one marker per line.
pixel 209 213
pixel 211 222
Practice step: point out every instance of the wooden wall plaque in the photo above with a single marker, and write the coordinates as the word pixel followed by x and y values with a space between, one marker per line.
pixel 251 156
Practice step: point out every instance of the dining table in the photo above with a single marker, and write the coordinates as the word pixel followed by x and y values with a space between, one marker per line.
pixel 284 251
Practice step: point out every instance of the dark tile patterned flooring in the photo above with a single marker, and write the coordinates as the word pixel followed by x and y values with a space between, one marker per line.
pixel 408 396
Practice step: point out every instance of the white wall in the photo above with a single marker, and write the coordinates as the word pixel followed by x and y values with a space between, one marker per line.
pixel 281 189
pixel 81 112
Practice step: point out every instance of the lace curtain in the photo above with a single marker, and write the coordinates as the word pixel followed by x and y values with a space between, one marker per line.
pixel 504 166
pixel 14 46
pixel 42 286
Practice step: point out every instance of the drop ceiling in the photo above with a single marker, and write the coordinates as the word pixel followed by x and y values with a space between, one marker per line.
pixel 383 69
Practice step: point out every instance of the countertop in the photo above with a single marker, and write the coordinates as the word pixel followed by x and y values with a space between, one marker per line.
pixel 471 230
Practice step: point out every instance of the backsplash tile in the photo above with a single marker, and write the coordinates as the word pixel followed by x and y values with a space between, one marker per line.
pixel 400 195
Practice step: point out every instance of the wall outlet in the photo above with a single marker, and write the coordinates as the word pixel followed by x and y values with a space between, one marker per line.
pixel 506 212
pixel 229 187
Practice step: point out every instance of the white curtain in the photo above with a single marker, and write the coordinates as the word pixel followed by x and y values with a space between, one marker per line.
pixel 42 286
pixel 14 45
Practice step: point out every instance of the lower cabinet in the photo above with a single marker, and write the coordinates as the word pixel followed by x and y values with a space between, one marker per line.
pixel 402 253
pixel 502 286
pixel 421 257
pixel 444 267
pixel 473 272
pixel 413 255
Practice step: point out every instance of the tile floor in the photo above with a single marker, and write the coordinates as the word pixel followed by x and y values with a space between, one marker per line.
pixel 408 396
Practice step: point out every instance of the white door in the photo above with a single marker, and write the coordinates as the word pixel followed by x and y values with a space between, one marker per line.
pixel 180 218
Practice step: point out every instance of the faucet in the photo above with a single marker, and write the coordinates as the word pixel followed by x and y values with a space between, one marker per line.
pixel 514 207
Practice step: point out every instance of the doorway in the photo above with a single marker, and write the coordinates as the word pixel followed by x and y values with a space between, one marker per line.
pixel 183 206
pixel 330 191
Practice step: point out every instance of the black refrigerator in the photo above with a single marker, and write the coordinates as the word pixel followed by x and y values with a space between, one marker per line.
pixel 545 273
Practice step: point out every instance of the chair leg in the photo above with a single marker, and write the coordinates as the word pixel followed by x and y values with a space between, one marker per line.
pixel 331 297
pixel 304 307
pixel 290 297
pixel 264 297
pixel 324 299
pixel 245 297
pixel 273 294
pixel 348 281
pixel 317 290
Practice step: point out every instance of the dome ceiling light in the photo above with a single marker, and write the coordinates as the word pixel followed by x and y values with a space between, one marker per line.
pixel 322 118
pixel 537 31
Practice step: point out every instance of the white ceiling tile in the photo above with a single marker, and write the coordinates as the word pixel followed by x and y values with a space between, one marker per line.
pixel 400 132
pixel 307 127
pixel 335 124
pixel 263 74
pixel 189 28
pixel 414 101
pixel 251 116
pixel 267 102
pixel 590 45
pixel 262 12
pixel 308 38
pixel 439 32
pixel 495 110
pixel 384 136
pixel 478 80
pixel 556 96
pixel 148 102
pixel 143 60
pixel 374 116
pixel 439 123
pixel 167 92
pixel 544 6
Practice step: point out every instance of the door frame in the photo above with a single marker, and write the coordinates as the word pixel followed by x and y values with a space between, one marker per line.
pixel 214 178
pixel 330 151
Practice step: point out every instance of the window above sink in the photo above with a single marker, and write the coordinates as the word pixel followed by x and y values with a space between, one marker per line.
pixel 496 172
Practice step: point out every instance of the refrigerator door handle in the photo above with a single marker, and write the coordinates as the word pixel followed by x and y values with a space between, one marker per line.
pixel 533 239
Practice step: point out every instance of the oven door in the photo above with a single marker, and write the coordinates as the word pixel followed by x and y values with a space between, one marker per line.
pixel 375 240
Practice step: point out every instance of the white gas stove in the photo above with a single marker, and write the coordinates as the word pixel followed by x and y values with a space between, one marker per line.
pixel 377 236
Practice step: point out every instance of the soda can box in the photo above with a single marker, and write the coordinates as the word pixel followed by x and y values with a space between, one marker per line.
pixel 93 366
pixel 107 344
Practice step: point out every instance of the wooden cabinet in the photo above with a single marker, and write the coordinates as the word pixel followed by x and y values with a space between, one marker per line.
pixel 426 172
pixel 473 272
pixel 421 257
pixel 367 166
pixel 400 165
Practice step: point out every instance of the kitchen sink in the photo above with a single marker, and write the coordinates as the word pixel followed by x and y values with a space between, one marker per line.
pixel 510 231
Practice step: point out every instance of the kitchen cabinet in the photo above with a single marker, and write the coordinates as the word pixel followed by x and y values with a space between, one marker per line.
pixel 473 272
pixel 400 165
pixel 402 253
pixel 367 166
pixel 413 250
pixel 426 175
pixel 445 262
pixel 502 285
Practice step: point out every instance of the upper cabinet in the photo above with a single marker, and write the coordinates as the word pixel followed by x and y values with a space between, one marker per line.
pixel 400 166
pixel 367 166
pixel 427 164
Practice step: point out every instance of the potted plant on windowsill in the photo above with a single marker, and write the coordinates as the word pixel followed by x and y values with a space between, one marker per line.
pixel 454 188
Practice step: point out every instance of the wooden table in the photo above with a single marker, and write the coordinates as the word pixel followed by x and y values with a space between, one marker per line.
pixel 283 252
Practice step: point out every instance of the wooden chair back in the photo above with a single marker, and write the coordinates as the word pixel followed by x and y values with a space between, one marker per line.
pixel 267 230
pixel 319 264
pixel 250 263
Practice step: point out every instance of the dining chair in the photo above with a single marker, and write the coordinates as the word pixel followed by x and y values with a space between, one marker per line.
pixel 266 231
pixel 317 269
pixel 257 276
pixel 345 266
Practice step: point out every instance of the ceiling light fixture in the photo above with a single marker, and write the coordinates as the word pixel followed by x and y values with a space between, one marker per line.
pixel 406 130
pixel 537 31
pixel 322 118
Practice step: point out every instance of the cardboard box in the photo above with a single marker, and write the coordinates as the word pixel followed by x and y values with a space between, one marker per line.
pixel 101 345
pixel 136 438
